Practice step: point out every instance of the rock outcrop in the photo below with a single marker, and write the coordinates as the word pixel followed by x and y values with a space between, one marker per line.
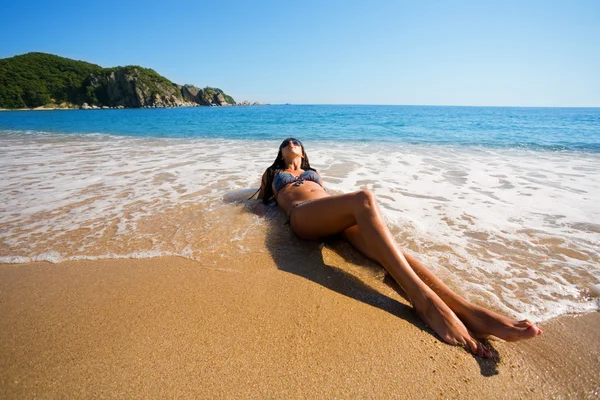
pixel 190 93
pixel 134 87
pixel 247 103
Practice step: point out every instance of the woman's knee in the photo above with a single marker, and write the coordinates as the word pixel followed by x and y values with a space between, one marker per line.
pixel 366 199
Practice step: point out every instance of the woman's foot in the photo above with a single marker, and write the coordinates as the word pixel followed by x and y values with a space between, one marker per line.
pixel 483 323
pixel 439 317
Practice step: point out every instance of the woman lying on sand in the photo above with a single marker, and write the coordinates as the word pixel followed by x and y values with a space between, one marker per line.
pixel 313 213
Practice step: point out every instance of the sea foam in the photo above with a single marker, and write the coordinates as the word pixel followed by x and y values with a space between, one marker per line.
pixel 513 229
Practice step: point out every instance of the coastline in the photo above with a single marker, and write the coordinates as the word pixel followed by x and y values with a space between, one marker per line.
pixel 254 328
pixel 39 109
pixel 42 108
pixel 76 107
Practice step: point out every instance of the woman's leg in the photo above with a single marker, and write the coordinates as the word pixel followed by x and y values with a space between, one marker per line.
pixel 335 214
pixel 481 321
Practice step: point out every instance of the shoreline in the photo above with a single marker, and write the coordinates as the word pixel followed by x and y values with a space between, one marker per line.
pixel 42 108
pixel 243 327
pixel 39 109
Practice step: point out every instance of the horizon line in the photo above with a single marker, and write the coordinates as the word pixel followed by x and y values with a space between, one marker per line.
pixel 420 105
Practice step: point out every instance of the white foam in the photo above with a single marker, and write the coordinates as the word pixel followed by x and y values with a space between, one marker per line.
pixel 515 229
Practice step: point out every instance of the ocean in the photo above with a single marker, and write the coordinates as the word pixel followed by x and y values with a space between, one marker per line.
pixel 501 203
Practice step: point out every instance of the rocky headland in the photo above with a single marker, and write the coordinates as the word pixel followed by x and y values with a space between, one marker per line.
pixel 47 81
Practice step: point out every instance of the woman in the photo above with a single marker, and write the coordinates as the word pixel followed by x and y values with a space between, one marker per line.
pixel 313 213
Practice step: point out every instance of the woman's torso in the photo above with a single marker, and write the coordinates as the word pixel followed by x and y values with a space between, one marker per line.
pixel 297 186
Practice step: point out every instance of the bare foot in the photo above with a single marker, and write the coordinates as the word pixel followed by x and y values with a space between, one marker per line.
pixel 484 322
pixel 439 317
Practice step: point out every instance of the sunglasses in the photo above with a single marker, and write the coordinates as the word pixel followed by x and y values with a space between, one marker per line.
pixel 286 143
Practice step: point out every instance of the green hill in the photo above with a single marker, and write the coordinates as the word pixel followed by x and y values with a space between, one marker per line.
pixel 38 79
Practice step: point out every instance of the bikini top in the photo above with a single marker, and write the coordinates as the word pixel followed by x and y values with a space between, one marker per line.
pixel 282 179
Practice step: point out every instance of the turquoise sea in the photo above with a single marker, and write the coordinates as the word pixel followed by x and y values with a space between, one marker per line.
pixel 502 203
pixel 534 128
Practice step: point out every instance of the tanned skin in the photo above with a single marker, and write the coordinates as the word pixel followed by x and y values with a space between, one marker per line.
pixel 357 217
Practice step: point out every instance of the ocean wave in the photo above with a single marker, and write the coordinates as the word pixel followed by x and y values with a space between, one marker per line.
pixel 513 229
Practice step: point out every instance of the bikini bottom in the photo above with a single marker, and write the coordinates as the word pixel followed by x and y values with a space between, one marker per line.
pixel 287 221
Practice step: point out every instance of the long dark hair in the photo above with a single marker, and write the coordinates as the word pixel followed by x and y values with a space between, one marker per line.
pixel 279 164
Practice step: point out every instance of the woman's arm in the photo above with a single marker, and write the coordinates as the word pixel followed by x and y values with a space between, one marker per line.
pixel 259 208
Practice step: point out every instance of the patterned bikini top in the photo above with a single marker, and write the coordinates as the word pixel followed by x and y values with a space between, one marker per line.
pixel 282 179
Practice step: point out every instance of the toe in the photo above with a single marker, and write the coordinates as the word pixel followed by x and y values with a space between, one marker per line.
pixel 533 330
pixel 478 349
pixel 486 353
pixel 473 346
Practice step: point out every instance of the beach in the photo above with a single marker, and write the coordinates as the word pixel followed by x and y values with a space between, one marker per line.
pixel 134 264
pixel 291 327
pixel 441 154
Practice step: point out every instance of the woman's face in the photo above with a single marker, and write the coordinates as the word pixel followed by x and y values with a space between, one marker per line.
pixel 291 146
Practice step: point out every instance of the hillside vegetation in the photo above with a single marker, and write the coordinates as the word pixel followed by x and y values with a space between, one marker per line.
pixel 38 79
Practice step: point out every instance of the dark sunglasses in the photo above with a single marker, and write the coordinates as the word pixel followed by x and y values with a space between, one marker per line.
pixel 286 143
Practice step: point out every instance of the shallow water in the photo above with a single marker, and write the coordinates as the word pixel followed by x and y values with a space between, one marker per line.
pixel 515 229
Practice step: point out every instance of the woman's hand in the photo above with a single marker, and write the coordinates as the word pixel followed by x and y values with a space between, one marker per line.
pixel 257 207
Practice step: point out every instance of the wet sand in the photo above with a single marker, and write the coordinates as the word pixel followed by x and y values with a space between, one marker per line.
pixel 256 327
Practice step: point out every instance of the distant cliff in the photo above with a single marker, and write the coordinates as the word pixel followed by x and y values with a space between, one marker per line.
pixel 38 79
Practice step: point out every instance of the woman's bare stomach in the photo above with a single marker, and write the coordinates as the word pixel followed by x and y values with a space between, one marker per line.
pixel 292 195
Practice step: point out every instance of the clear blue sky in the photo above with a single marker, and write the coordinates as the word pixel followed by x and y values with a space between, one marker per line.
pixel 525 53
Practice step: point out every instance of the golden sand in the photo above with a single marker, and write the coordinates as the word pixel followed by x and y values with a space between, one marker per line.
pixel 175 328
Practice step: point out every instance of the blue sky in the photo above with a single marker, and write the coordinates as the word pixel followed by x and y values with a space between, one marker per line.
pixel 522 53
